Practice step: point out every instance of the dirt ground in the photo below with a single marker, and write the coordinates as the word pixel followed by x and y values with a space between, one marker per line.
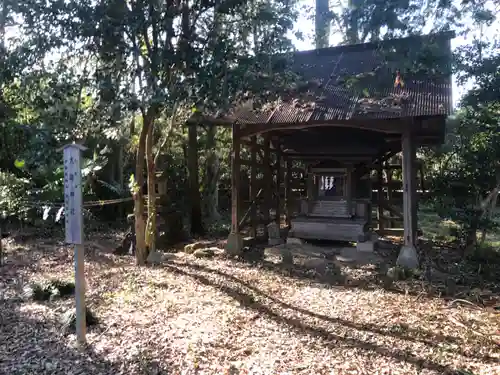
pixel 221 316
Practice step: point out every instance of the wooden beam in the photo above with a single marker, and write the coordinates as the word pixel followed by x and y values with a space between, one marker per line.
pixel 249 163
pixel 297 184
pixel 341 149
pixel 305 156
pixel 418 163
pixel 382 157
pixel 394 126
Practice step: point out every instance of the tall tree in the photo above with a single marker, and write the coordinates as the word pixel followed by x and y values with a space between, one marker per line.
pixel 211 176
pixel 466 173
pixel 361 21
pixel 160 60
pixel 322 24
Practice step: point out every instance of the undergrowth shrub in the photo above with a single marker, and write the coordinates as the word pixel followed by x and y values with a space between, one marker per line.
pixel 485 253
pixel 13 200
pixel 49 290
pixel 68 319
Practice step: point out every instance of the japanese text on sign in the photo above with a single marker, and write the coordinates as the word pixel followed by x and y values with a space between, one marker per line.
pixel 73 195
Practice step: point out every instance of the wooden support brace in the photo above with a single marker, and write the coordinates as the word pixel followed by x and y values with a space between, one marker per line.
pixel 252 206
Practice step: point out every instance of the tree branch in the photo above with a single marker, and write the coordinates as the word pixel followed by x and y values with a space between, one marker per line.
pixel 170 131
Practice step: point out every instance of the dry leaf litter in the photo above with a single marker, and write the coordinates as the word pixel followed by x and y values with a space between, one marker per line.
pixel 218 316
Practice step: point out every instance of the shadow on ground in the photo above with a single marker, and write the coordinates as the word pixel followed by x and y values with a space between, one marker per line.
pixel 250 297
pixel 444 272
pixel 32 345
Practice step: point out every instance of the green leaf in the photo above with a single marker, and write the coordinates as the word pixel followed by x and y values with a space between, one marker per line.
pixel 18 163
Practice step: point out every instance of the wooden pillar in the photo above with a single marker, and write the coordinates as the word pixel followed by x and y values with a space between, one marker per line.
pixel 422 183
pixel 370 200
pixel 194 185
pixel 267 183
pixel 253 186
pixel 348 187
pixel 316 183
pixel 380 198
pixel 234 244
pixel 235 181
pixel 279 179
pixel 310 184
pixel 288 190
pixel 389 172
pixel 422 179
pixel 409 188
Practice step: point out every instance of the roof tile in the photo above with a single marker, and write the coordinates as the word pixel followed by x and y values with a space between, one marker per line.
pixel 358 82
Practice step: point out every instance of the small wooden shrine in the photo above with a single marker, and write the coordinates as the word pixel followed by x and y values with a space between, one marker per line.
pixel 316 159
pixel 332 209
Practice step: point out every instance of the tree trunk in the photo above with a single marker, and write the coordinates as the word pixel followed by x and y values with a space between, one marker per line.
pixel 141 253
pixel 1 248
pixel 211 177
pixel 322 24
pixel 211 183
pixel 120 177
pixel 151 223
pixel 493 205
pixel 3 20
pixel 194 184
pixel 3 23
pixel 471 235
pixel 352 32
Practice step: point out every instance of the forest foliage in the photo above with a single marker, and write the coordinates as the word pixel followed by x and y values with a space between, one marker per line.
pixel 123 77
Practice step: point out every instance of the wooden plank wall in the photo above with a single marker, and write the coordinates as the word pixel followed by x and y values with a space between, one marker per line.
pixel 387 195
pixel 270 185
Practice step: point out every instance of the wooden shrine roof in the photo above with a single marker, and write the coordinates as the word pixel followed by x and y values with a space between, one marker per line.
pixel 358 83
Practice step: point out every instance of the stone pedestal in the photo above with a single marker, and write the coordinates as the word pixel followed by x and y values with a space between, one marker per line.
pixel 304 207
pixel 234 245
pixel 408 257
pixel 367 246
pixel 274 234
pixel 294 241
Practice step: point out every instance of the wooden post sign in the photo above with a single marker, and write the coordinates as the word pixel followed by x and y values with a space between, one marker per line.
pixel 73 215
